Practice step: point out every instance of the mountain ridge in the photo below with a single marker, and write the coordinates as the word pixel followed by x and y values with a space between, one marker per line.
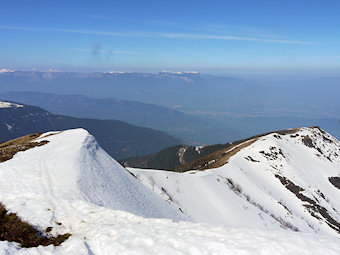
pixel 68 171
pixel 118 138
pixel 286 179
pixel 191 129
pixel 70 186
pixel 198 157
pixel 190 92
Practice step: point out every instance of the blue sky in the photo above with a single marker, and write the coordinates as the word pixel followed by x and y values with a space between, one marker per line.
pixel 209 36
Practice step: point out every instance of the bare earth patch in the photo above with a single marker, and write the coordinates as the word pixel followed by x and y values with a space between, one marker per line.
pixel 10 148
pixel 221 157
pixel 215 159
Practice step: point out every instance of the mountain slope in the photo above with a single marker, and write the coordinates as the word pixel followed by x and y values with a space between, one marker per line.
pixel 119 139
pixel 280 180
pixel 173 157
pixel 72 166
pixel 61 183
pixel 69 184
pixel 176 123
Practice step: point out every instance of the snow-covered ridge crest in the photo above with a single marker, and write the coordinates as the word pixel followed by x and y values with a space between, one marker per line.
pixel 4 104
pixel 50 185
pixel 282 180
pixel 72 166
pixel 184 72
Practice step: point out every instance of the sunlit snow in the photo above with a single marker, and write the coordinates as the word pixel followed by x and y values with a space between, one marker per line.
pixel 246 192
pixel 72 185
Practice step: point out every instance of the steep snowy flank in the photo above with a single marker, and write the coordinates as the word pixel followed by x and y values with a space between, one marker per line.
pixel 288 181
pixel 72 167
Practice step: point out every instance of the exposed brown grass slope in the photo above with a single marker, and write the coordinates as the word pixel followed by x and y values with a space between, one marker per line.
pixel 13 229
pixel 10 148
pixel 221 157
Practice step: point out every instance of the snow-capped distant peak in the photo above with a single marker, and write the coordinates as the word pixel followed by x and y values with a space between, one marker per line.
pixel 53 71
pixel 170 72
pixel 191 72
pixel 185 72
pixel 4 104
pixel 119 72
pixel 4 70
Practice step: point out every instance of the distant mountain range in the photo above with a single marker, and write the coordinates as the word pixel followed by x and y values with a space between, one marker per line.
pixel 165 88
pixel 190 129
pixel 191 92
pixel 199 109
pixel 118 138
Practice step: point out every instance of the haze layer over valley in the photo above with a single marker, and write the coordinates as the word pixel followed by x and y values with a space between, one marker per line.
pixel 197 108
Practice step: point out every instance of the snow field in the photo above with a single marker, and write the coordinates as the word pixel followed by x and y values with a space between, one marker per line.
pixel 246 193
pixel 72 185
pixel 123 233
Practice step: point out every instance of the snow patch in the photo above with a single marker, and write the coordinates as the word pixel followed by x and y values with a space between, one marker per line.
pixel 4 70
pixel 4 104
pixel 9 127
pixel 199 148
pixel 181 153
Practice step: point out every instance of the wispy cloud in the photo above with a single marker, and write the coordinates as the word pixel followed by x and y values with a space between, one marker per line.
pixel 107 51
pixel 229 38
pixel 100 17
pixel 65 30
pixel 185 36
